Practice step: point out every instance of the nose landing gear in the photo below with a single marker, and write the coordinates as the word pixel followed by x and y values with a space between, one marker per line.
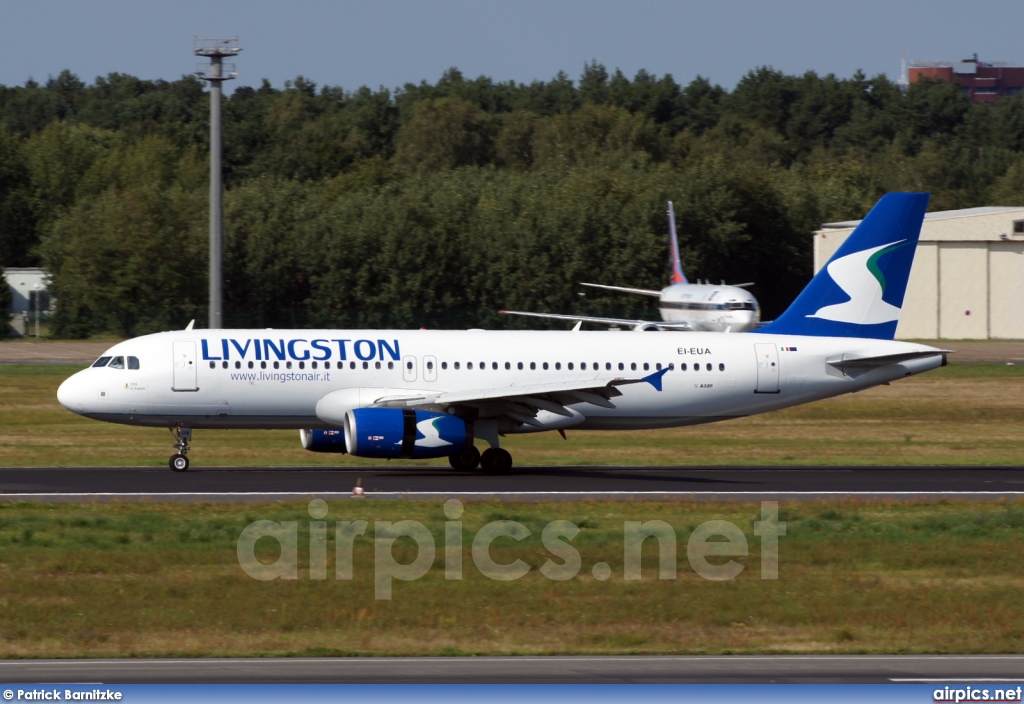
pixel 179 462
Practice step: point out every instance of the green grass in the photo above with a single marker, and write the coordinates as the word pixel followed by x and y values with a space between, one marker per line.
pixel 148 581
pixel 963 414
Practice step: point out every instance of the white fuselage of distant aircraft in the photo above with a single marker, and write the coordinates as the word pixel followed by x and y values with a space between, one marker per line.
pixel 700 307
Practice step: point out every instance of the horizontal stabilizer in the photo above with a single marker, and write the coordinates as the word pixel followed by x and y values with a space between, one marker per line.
pixel 681 325
pixel 856 363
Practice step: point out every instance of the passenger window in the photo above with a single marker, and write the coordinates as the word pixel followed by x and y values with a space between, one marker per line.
pixel 570 366
pixel 366 365
pixel 263 365
pixel 391 365
pixel 721 367
pixel 647 366
pixel 117 363
pixel 608 366
pixel 622 366
pixel 101 362
pixel 508 365
pixel 682 367
pixel 558 365
pixel 519 366
pixel 251 365
pixel 133 362
pixel 632 366
pixel 430 366
pixel 376 365
pixel 408 365
pixel 469 365
pixel 545 366
pixel 456 365
pixel 302 365
pixel 656 366
pixel 224 365
pixel 213 365
pixel 238 365
pixel 277 365
pixel 583 366
pixel 287 365
pixel 444 365
pixel 709 366
pixel 533 365
pixel 351 365
pixel 494 365
pixel 327 365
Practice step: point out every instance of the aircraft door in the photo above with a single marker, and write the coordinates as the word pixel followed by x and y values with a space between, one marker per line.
pixel 184 366
pixel 429 368
pixel 409 368
pixel 767 368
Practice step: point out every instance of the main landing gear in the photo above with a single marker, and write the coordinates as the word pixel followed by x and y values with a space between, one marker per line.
pixel 179 462
pixel 494 460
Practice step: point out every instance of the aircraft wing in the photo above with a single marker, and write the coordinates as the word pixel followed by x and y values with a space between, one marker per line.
pixel 523 403
pixel 624 289
pixel 624 322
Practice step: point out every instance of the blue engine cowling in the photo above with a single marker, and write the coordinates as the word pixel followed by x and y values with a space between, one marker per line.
pixel 404 433
pixel 330 440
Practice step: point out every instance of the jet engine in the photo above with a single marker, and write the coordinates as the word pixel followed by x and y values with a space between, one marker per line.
pixel 404 433
pixel 647 327
pixel 330 440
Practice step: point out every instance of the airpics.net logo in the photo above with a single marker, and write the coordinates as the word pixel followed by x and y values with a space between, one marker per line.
pixel 720 540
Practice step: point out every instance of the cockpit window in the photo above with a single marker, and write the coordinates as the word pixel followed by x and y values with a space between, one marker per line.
pixel 133 362
pixel 101 362
pixel 117 363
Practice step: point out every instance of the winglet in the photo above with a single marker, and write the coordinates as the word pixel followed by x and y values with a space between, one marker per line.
pixel 190 324
pixel 678 277
pixel 655 379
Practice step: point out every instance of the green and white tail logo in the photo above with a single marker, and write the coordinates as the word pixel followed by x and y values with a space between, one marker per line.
pixel 860 278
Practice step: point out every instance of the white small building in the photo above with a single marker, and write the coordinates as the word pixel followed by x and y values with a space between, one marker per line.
pixel 967 282
pixel 28 287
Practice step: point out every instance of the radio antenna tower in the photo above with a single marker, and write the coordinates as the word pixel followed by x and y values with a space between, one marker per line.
pixel 216 73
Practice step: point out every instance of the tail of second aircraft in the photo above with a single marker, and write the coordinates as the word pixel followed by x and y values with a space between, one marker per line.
pixel 678 277
pixel 859 293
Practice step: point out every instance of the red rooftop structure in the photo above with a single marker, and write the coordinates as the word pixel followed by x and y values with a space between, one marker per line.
pixel 981 81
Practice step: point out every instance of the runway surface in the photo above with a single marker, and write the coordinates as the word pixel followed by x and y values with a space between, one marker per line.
pixel 541 670
pixel 522 484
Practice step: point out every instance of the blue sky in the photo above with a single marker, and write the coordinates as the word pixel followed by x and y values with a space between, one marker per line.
pixel 391 42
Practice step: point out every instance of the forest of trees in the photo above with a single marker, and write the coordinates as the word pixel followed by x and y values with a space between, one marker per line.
pixel 437 205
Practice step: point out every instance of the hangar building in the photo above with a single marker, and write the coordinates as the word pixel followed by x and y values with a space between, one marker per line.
pixel 967 282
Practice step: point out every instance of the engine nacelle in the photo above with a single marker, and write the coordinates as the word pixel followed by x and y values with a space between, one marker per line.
pixel 330 440
pixel 404 433
pixel 647 327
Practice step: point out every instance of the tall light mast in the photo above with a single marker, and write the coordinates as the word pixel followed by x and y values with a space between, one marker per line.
pixel 216 73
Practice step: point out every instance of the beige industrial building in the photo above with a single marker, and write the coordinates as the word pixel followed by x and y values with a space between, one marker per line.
pixel 967 282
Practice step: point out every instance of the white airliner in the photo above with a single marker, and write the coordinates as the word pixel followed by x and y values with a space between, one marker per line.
pixel 424 394
pixel 684 306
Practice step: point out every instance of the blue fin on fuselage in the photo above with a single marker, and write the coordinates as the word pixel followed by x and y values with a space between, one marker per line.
pixel 859 293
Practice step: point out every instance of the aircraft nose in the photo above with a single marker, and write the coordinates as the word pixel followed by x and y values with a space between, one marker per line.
pixel 71 393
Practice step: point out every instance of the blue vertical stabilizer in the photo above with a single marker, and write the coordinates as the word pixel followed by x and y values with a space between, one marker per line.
pixel 859 293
